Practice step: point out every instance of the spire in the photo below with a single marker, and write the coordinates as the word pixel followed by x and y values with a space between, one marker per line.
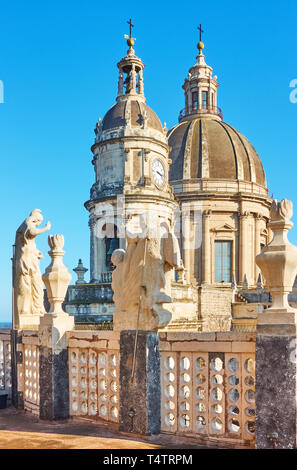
pixel 200 89
pixel 130 81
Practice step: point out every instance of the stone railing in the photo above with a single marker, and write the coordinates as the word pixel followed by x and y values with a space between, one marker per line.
pixel 106 277
pixel 28 373
pixel 190 110
pixel 219 186
pixel 208 386
pixel 5 362
pixel 189 384
pixel 94 374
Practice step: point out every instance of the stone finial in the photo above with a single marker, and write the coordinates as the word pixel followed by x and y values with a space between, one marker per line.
pixel 245 283
pixel 56 277
pixel 180 271
pixel 278 260
pixel 233 282
pixel 259 282
pixel 281 212
pixel 80 271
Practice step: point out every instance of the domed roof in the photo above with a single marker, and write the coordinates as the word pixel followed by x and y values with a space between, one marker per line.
pixel 115 117
pixel 209 148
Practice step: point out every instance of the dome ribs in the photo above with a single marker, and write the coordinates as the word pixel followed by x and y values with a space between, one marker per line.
pixel 116 116
pixel 251 163
pixel 207 148
pixel 188 152
pixel 203 168
pixel 238 167
pixel 222 161
pixel 177 153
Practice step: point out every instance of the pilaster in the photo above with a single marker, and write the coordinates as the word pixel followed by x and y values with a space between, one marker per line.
pixel 243 246
pixel 206 248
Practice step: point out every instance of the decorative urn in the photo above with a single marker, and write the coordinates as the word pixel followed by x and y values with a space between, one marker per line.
pixel 56 277
pixel 278 260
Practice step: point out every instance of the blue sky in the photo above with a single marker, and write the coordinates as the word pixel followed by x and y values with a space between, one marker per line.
pixel 58 65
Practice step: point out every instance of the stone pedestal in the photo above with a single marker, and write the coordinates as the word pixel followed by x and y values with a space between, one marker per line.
pixel 53 366
pixel 29 322
pixel 140 399
pixel 276 374
pixel 276 390
pixel 53 352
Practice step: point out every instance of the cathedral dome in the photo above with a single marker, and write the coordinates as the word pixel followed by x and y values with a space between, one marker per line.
pixel 210 148
pixel 117 116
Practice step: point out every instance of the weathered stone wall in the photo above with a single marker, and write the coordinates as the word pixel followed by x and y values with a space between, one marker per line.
pixel 214 308
pixel 90 302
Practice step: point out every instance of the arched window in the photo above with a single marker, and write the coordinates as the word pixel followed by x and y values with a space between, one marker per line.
pixel 194 100
pixel 112 243
pixel 204 99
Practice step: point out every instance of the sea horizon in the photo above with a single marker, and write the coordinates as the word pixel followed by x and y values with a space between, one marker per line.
pixel 5 324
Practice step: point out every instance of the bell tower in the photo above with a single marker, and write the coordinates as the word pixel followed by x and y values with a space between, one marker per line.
pixel 131 163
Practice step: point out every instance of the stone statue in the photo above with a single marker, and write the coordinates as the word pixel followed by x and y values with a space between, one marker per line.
pixel 98 129
pixel 28 285
pixel 141 281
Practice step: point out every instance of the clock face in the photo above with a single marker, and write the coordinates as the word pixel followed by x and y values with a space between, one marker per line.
pixel 158 172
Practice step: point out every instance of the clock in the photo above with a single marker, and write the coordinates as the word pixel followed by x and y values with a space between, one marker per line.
pixel 158 172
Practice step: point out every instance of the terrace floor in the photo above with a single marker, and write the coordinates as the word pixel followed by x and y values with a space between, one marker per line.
pixel 22 430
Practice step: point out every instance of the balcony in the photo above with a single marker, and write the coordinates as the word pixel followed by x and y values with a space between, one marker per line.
pixel 190 110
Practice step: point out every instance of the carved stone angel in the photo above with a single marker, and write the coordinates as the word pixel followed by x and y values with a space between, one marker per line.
pixel 28 285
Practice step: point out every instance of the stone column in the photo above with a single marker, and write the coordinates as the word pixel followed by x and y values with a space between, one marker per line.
pixel 206 249
pixel 186 227
pixel 243 246
pixel 53 352
pixel 140 82
pixel 100 257
pixel 140 395
pixel 93 250
pixel 258 219
pixel 276 390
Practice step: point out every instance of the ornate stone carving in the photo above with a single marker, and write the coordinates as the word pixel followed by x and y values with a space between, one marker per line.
pixel 141 281
pixel 278 260
pixel 28 285
pixel 281 212
pixel 244 214
pixel 56 277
